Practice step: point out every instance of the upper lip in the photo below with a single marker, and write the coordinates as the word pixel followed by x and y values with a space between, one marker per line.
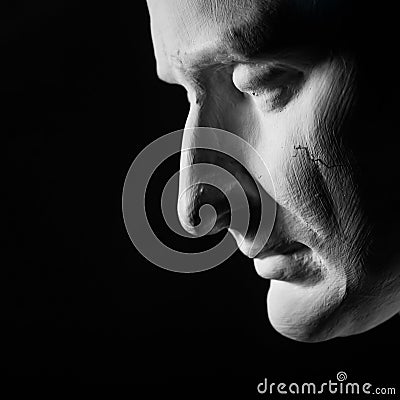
pixel 280 248
pixel 260 243
pixel 274 246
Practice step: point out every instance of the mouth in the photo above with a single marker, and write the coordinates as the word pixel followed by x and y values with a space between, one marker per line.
pixel 282 248
pixel 294 262
pixel 255 249
pixel 284 260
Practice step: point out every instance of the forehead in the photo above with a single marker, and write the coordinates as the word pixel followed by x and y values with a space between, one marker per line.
pixel 184 29
pixel 184 23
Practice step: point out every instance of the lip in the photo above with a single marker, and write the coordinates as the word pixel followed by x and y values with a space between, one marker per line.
pixel 296 263
pixel 275 245
pixel 281 248
pixel 283 260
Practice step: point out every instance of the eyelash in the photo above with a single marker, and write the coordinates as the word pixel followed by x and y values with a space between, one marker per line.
pixel 277 96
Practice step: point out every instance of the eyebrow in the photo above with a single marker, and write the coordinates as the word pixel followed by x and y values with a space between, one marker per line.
pixel 301 58
pixel 268 38
pixel 240 43
pixel 253 45
pixel 248 40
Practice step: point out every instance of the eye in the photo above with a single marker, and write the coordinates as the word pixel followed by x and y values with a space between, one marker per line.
pixel 253 80
pixel 275 84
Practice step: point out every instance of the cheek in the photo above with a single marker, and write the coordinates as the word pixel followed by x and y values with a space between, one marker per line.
pixel 300 147
pixel 283 141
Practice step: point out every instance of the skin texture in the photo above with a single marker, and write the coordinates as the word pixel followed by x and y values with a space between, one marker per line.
pixel 290 78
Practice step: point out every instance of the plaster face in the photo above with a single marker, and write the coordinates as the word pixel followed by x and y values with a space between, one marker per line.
pixel 332 257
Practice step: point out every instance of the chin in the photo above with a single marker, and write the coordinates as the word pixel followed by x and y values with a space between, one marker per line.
pixel 310 312
pixel 334 307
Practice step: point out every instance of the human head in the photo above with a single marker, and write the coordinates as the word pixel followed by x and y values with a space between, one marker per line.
pixel 301 82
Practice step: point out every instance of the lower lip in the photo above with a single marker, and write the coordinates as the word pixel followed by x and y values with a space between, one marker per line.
pixel 285 267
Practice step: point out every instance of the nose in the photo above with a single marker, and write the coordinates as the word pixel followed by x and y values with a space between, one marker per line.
pixel 201 184
pixel 209 176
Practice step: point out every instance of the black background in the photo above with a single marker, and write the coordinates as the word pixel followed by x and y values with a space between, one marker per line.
pixel 80 100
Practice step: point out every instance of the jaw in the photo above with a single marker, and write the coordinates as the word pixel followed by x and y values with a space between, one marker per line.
pixel 341 304
pixel 303 312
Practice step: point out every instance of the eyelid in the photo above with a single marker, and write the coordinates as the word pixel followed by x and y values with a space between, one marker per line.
pixel 258 77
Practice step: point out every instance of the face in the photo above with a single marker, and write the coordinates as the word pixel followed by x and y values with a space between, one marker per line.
pixel 288 78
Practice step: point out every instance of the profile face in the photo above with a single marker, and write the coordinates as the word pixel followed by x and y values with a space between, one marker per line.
pixel 296 97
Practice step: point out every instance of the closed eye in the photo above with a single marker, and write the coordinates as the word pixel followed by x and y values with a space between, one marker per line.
pixel 271 86
pixel 255 81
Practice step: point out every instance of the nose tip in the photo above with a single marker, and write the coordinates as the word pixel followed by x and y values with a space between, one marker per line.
pixel 204 209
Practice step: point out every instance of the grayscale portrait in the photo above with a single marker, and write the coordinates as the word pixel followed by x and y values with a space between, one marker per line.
pixel 310 84
pixel 201 195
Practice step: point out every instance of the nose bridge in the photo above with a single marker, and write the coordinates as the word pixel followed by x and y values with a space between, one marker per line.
pixel 214 106
pixel 212 110
pixel 202 145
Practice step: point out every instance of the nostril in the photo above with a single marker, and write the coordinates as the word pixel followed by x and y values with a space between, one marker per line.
pixel 194 217
pixel 207 209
